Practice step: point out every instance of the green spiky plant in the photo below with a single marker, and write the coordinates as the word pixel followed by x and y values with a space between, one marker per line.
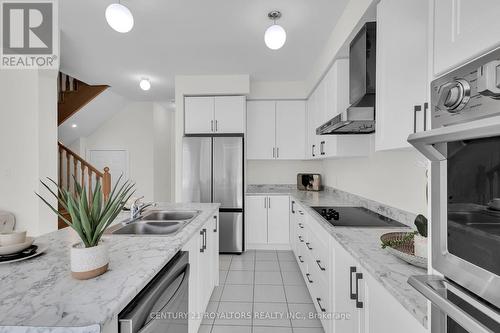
pixel 90 219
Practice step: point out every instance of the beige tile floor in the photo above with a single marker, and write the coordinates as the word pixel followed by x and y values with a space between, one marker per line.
pixel 257 291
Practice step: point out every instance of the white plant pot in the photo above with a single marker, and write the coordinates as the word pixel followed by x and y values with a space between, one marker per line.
pixel 89 262
pixel 420 246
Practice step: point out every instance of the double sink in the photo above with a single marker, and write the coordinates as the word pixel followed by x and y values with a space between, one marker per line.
pixel 155 223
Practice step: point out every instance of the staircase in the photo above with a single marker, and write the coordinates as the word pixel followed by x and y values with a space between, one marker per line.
pixel 74 95
pixel 72 166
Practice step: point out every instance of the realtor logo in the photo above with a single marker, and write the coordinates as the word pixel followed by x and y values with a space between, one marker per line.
pixel 29 34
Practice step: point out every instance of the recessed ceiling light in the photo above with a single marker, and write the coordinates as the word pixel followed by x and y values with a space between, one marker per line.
pixel 275 35
pixel 119 17
pixel 145 84
pixel 74 125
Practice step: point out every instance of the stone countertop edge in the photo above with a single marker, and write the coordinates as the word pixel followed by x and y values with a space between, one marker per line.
pixel 40 292
pixel 362 243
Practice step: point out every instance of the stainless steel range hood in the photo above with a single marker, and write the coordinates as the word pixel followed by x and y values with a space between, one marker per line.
pixel 355 120
pixel 359 118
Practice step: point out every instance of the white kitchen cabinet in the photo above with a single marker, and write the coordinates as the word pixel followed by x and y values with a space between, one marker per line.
pixel 290 130
pixel 214 115
pixel 463 30
pixel 276 130
pixel 261 128
pixel 198 115
pixel 401 71
pixel 203 251
pixel 267 221
pixel 230 114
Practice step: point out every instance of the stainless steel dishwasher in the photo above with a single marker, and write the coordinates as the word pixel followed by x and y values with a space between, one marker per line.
pixel 162 306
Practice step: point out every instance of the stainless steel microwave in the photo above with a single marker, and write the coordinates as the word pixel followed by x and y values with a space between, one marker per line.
pixel 463 147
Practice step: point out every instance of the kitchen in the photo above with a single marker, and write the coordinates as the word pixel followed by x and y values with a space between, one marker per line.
pixel 291 206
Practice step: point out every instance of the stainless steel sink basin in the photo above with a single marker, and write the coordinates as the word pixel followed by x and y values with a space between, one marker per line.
pixel 156 223
pixel 166 215
pixel 150 228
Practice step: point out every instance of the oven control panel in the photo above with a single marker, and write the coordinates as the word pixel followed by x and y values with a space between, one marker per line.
pixel 467 93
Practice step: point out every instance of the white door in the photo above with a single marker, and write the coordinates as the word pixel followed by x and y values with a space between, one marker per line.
pixel 199 115
pixel 463 30
pixel 230 114
pixel 290 130
pixel 278 220
pixel 261 125
pixel 115 160
pixel 401 40
pixel 256 219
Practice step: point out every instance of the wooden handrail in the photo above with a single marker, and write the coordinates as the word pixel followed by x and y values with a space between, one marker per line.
pixel 87 172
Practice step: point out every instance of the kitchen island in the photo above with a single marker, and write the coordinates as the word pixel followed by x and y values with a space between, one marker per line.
pixel 40 292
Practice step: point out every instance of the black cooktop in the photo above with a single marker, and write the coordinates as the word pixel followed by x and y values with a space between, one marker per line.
pixel 355 217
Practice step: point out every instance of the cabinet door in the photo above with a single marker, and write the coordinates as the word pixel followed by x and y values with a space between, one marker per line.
pixel 230 114
pixel 290 130
pixel 278 217
pixel 401 40
pixel 199 115
pixel 463 30
pixel 192 247
pixel 312 149
pixel 256 219
pixel 261 125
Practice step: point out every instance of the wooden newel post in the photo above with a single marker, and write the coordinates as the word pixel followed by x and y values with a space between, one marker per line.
pixel 106 183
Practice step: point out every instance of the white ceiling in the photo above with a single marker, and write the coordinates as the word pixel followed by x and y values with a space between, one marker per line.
pixel 196 37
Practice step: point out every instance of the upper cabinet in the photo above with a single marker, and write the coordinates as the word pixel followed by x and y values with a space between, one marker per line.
pixel 276 130
pixel 214 115
pixel 463 30
pixel 402 82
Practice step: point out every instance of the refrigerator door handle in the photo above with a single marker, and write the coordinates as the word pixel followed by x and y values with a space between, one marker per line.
pixel 434 288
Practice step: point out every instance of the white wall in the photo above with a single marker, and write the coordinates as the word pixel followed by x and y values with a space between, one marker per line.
pixel 395 178
pixel 279 172
pixel 130 129
pixel 28 146
pixel 163 123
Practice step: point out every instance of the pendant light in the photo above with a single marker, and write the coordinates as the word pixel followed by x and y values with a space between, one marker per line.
pixel 275 35
pixel 119 17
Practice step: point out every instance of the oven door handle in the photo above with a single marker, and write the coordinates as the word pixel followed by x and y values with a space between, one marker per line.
pixel 433 288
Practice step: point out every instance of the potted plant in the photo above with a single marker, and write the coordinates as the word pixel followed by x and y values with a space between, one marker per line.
pixel 420 239
pixel 90 216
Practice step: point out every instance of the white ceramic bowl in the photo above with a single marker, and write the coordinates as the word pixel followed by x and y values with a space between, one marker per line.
pixel 15 248
pixel 11 238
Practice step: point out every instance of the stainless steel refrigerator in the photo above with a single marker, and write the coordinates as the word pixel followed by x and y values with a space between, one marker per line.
pixel 213 172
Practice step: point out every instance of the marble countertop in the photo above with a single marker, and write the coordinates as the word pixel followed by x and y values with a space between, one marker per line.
pixel 40 292
pixel 364 243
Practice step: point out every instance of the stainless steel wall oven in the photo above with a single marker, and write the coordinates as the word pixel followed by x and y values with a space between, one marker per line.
pixel 464 149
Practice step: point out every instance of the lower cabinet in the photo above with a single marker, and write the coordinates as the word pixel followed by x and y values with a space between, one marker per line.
pixel 267 222
pixel 203 251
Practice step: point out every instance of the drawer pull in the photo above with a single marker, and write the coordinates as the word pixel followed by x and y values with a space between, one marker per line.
pixel 300 259
pixel 309 247
pixel 309 278
pixel 318 300
pixel 301 212
pixel 300 239
pixel 352 270
pixel 319 265
pixel 359 304
pixel 301 226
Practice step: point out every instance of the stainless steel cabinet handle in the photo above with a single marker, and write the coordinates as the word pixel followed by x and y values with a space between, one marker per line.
pixel 293 204
pixel 269 204
pixel 322 148
pixel 434 288
pixel 318 300
pixel 300 239
pixel 211 125
pixel 265 202
pixel 313 154
pixel 352 270
pixel 277 152
pixel 216 223
pixel 216 125
pixel 274 152
pixel 416 108
pixel 301 226
pixel 300 259
pixel 202 249
pixel 319 265
pixel 301 212
pixel 308 246
pixel 308 276
pixel 426 108
pixel 359 304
